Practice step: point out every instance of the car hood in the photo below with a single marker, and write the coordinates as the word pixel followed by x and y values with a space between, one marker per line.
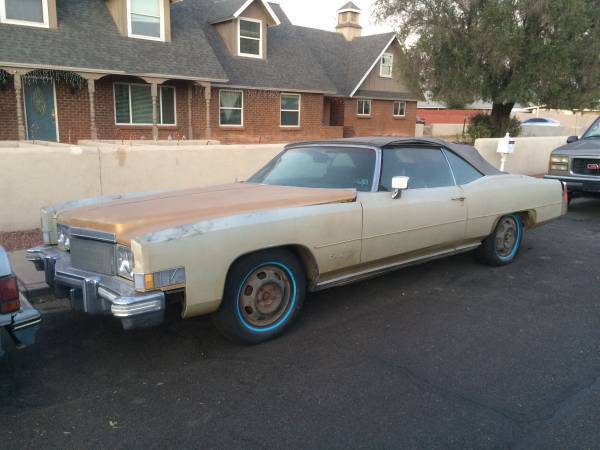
pixel 582 147
pixel 134 217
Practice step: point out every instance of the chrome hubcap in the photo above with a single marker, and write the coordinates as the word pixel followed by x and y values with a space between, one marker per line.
pixel 265 296
pixel 506 236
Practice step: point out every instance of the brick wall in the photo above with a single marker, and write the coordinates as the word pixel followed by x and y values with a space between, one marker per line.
pixel 381 122
pixel 8 112
pixel 261 120
pixel 454 116
pixel 73 112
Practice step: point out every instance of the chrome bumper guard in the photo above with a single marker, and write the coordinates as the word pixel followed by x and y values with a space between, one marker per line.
pixel 95 293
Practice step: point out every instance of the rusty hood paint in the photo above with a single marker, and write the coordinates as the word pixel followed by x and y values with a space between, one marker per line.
pixel 134 217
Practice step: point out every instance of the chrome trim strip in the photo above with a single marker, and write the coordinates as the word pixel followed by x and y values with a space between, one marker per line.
pixel 31 323
pixel 94 234
pixel 572 177
pixel 370 273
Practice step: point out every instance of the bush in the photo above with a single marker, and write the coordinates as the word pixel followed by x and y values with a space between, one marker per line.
pixel 481 126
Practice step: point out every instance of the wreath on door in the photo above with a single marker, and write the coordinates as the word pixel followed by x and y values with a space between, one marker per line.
pixel 39 102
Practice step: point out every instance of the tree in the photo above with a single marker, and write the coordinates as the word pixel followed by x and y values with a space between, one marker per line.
pixel 504 51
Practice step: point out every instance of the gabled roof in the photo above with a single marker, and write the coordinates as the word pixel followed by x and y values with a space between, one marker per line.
pixel 87 39
pixel 345 62
pixel 223 10
pixel 299 59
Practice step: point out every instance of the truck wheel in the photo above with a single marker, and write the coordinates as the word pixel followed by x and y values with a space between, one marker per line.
pixel 501 247
pixel 264 293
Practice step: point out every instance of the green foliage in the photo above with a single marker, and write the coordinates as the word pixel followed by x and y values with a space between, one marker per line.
pixel 482 126
pixel 505 51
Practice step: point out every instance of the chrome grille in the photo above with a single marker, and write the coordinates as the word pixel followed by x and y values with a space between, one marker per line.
pixel 93 256
pixel 586 166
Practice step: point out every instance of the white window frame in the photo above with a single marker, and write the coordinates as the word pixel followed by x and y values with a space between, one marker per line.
pixel 390 65
pixel 159 122
pixel 260 39
pixel 141 36
pixel 358 102
pixel 394 108
pixel 299 110
pixel 44 24
pixel 241 109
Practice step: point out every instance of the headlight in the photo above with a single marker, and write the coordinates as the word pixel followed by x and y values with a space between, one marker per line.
pixel 125 262
pixel 560 163
pixel 63 234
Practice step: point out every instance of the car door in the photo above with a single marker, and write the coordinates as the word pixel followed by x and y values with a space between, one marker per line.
pixel 429 217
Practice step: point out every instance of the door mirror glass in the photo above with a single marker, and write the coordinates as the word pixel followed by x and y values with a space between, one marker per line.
pixel 572 139
pixel 399 184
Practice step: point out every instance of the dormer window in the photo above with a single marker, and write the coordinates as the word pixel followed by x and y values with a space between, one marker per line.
pixel 250 38
pixel 387 65
pixel 32 13
pixel 146 19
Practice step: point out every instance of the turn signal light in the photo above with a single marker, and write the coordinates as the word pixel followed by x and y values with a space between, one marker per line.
pixel 9 295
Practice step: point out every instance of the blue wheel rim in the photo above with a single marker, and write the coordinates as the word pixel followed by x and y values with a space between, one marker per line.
pixel 289 308
pixel 516 220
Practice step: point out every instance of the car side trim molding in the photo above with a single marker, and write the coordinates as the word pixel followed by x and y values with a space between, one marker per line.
pixel 380 270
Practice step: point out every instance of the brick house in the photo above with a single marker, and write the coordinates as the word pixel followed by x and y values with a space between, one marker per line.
pixel 232 70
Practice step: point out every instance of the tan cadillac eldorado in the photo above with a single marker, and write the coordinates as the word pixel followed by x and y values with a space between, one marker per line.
pixel 318 215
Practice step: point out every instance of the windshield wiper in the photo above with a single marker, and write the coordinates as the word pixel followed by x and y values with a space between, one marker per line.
pixel 593 136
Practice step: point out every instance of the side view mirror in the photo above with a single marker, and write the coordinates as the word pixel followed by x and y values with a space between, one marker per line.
pixel 572 139
pixel 399 184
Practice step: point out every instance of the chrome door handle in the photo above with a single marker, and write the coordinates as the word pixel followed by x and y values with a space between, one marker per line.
pixel 459 199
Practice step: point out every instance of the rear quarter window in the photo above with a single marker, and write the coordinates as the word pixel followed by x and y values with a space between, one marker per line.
pixel 464 173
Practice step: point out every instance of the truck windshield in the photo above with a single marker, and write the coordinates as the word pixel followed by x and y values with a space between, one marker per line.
pixel 320 167
pixel 593 132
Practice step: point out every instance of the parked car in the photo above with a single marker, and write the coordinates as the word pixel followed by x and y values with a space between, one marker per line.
pixel 18 319
pixel 578 163
pixel 320 214
pixel 541 121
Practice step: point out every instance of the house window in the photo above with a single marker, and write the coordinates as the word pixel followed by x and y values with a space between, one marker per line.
pixel 250 33
pixel 364 107
pixel 146 19
pixel 290 110
pixel 231 108
pixel 399 109
pixel 133 104
pixel 387 65
pixel 24 12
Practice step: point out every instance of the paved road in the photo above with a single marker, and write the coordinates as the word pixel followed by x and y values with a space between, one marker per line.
pixel 449 354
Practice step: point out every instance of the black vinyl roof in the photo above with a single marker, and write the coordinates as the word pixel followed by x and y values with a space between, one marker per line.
pixel 467 152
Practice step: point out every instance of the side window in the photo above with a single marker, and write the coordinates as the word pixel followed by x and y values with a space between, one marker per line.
pixel 426 168
pixel 464 172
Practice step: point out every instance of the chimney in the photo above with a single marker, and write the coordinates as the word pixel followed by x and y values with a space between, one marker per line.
pixel 349 21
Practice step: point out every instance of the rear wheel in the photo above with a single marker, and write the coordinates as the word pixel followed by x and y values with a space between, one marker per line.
pixel 502 246
pixel 264 293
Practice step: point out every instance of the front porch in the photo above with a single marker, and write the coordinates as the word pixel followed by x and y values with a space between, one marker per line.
pixel 62 106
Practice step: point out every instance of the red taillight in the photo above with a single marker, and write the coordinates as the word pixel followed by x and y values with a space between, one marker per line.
pixel 9 295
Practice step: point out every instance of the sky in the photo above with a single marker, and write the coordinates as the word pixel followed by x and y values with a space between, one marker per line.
pixel 322 14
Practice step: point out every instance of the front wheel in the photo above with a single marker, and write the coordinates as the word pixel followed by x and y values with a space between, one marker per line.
pixel 502 246
pixel 264 293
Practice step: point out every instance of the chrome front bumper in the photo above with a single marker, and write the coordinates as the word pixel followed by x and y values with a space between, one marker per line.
pixel 95 293
pixel 578 183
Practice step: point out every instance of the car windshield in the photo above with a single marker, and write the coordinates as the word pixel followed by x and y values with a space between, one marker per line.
pixel 593 132
pixel 320 167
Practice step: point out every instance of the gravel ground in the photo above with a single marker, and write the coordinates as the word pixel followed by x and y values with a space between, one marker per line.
pixel 20 240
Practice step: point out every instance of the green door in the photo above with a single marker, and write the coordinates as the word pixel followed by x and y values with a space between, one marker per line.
pixel 40 110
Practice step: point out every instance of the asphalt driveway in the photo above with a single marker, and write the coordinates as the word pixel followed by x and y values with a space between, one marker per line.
pixel 448 354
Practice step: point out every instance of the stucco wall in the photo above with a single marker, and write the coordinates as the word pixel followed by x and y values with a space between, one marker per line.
pixel 35 175
pixel 531 153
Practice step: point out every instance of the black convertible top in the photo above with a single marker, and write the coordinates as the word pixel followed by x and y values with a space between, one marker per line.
pixel 467 152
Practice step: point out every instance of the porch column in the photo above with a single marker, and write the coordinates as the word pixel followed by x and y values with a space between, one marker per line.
pixel 190 121
pixel 19 97
pixel 92 94
pixel 154 93
pixel 207 96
